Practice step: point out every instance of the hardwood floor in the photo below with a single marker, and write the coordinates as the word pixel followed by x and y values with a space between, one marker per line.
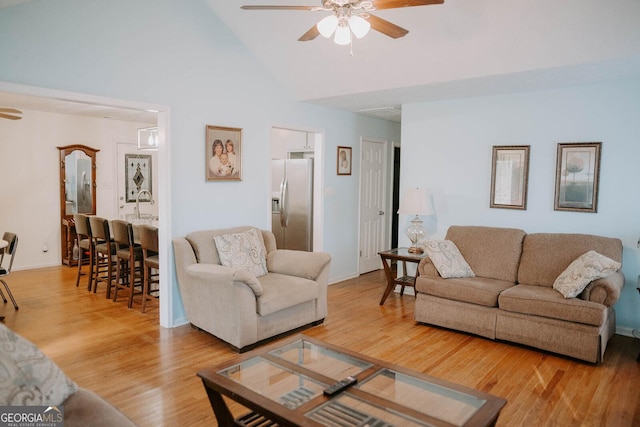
pixel 149 372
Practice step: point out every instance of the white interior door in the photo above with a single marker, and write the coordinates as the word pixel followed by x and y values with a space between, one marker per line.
pixel 136 171
pixel 373 203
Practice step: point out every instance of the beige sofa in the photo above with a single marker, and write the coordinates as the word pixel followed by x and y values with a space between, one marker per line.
pixel 240 308
pixel 29 378
pixel 512 296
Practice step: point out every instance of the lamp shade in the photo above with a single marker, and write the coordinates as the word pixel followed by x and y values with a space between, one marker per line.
pixel 343 35
pixel 415 202
pixel 359 26
pixel 327 25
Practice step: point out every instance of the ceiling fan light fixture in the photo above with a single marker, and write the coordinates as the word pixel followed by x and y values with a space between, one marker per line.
pixel 359 26
pixel 327 25
pixel 342 36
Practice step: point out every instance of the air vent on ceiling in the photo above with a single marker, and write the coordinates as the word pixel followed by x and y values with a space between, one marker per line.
pixel 388 113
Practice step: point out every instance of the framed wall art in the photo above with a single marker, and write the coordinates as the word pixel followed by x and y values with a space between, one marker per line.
pixel 577 176
pixel 223 148
pixel 344 161
pixel 138 176
pixel 509 176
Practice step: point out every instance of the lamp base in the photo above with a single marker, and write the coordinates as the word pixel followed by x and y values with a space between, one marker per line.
pixel 415 250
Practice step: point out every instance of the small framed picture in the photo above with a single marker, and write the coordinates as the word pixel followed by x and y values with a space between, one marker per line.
pixel 344 161
pixel 577 176
pixel 223 148
pixel 509 176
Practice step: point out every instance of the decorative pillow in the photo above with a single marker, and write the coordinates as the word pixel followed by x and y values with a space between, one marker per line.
pixel 243 250
pixel 582 271
pixel 27 376
pixel 447 259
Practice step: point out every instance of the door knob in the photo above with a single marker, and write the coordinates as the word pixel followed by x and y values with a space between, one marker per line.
pixel 380 212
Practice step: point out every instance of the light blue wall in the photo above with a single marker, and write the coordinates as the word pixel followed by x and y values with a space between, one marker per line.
pixel 447 148
pixel 179 54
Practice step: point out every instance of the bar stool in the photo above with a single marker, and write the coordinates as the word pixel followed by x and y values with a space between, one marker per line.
pixel 85 243
pixel 128 259
pixel 104 250
pixel 149 243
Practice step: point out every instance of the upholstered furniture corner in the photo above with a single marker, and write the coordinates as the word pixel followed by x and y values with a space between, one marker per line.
pixel 29 378
pixel 241 308
pixel 512 297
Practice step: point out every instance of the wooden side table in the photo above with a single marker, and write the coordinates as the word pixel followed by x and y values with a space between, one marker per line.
pixel 398 254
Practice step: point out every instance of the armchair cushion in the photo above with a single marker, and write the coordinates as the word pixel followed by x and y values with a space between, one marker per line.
pixel 244 250
pixel 585 269
pixel 282 291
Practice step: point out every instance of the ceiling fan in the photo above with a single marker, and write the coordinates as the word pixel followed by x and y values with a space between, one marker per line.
pixel 10 113
pixel 351 16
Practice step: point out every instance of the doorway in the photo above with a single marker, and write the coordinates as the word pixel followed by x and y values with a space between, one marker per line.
pixel 373 203
pixel 51 100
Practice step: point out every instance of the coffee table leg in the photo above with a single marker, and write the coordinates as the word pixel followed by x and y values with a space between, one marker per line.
pixel 390 280
pixel 220 408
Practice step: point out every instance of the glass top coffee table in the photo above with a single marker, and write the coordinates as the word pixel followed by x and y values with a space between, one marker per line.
pixel 283 385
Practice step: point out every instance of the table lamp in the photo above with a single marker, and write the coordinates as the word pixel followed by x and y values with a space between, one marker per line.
pixel 415 202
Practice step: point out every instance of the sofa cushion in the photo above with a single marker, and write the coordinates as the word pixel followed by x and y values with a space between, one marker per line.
pixel 475 290
pixel 547 302
pixel 281 291
pixel 584 270
pixel 27 376
pixel 492 252
pixel 244 250
pixel 546 255
pixel 447 259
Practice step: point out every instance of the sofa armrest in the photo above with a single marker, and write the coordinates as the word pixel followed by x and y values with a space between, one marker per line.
pixel 426 268
pixel 605 291
pixel 308 265
pixel 218 275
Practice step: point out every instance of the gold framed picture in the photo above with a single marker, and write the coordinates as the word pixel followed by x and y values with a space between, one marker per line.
pixel 223 148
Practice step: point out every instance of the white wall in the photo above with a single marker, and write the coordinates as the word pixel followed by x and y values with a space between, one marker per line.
pixel 180 55
pixel 447 149
pixel 30 165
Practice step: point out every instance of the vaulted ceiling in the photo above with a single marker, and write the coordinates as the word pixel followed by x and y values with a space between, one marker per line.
pixel 456 49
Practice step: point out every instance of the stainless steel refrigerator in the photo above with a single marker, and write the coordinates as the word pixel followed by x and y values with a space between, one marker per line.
pixel 292 203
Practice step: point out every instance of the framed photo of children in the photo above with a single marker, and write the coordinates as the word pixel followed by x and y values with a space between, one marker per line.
pixel 223 147
pixel 577 176
pixel 344 161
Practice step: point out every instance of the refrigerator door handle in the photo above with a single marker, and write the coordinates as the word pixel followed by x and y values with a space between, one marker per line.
pixel 284 217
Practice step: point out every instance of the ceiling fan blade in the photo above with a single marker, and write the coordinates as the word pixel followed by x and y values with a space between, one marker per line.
pixel 310 35
pixel 386 27
pixel 392 4
pixel 10 110
pixel 278 7
pixel 9 116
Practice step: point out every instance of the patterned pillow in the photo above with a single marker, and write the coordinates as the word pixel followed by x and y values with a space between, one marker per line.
pixel 447 259
pixel 582 271
pixel 243 250
pixel 27 376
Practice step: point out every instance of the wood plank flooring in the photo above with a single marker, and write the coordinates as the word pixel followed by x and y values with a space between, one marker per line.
pixel 149 372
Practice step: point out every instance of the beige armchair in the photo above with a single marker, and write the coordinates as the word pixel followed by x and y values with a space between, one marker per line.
pixel 242 308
